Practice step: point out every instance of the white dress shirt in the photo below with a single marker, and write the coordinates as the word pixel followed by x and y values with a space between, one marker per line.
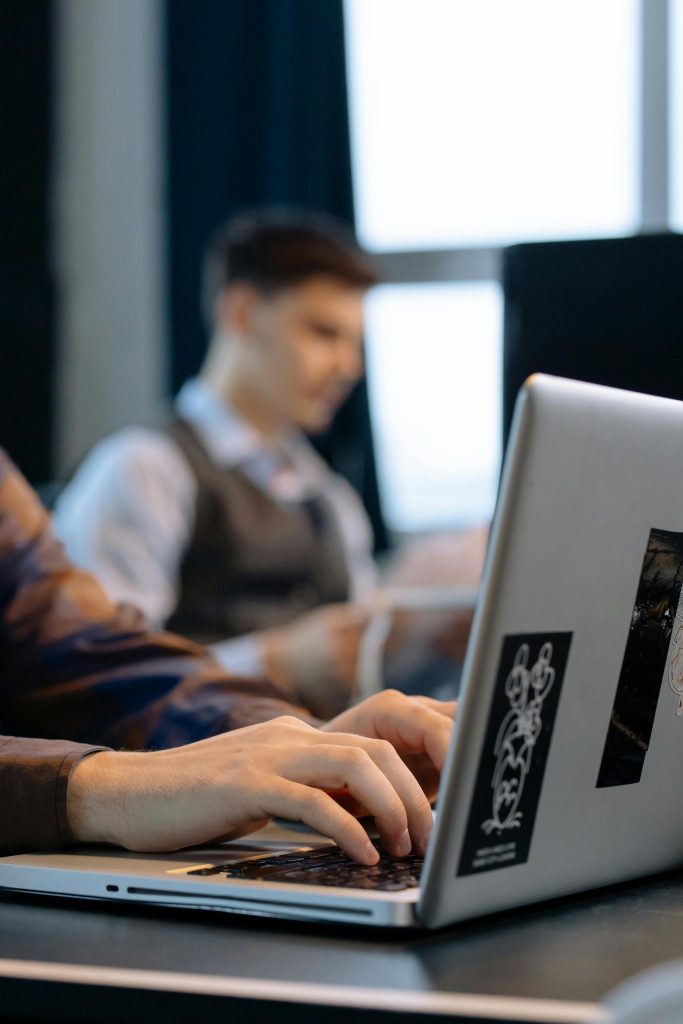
pixel 128 515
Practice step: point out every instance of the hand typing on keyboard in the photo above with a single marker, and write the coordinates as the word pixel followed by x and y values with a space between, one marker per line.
pixel 386 754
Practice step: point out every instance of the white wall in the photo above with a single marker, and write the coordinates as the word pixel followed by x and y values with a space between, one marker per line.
pixel 108 205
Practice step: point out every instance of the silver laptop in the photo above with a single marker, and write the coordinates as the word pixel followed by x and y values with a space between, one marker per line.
pixel 567 755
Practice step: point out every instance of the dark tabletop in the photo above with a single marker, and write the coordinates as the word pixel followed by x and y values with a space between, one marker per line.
pixel 572 949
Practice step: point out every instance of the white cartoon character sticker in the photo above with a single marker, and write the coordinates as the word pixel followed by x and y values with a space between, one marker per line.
pixel 526 689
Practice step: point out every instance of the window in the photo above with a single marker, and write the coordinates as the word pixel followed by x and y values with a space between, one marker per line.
pixel 490 122
pixel 474 126
pixel 437 434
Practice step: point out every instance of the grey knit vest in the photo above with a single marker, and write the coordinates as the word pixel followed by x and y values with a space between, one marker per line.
pixel 252 563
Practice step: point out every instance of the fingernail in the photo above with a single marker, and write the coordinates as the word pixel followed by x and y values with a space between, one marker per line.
pixel 423 842
pixel 371 854
pixel 403 845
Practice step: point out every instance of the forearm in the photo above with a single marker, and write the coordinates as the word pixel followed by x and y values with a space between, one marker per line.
pixel 136 690
pixel 117 683
pixel 77 666
pixel 34 777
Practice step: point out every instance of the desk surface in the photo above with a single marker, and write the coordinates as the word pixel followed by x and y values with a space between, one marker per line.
pixel 552 962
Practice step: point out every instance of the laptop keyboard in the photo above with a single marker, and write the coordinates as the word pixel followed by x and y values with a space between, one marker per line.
pixel 326 865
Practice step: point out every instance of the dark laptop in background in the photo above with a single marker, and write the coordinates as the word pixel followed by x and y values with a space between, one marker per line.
pixel 607 311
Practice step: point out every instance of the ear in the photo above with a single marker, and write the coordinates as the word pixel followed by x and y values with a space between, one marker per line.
pixel 236 307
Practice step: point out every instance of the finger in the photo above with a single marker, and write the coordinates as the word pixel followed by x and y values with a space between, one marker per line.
pixel 411 793
pixel 415 727
pixel 426 774
pixel 342 762
pixel 435 732
pixel 443 707
pixel 411 789
pixel 297 802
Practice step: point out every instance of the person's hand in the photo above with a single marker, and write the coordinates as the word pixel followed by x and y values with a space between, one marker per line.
pixel 315 658
pixel 231 784
pixel 418 728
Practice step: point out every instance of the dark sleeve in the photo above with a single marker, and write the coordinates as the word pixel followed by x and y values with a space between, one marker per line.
pixel 33 783
pixel 75 666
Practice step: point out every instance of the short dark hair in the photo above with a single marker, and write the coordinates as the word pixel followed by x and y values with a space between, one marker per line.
pixel 279 248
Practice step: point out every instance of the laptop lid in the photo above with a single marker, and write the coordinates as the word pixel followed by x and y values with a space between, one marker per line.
pixel 568 747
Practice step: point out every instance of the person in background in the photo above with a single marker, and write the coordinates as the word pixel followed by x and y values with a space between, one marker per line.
pixel 222 523
pixel 84 674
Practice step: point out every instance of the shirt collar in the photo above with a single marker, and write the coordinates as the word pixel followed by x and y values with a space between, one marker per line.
pixel 233 443
pixel 229 439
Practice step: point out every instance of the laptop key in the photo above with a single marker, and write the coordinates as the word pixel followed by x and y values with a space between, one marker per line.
pixel 326 865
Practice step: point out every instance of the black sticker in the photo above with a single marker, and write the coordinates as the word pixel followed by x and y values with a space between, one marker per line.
pixel 642 670
pixel 520 726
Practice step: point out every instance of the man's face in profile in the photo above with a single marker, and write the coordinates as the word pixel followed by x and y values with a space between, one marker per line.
pixel 306 346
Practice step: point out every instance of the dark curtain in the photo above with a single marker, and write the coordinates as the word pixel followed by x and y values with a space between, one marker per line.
pixel 26 304
pixel 257 114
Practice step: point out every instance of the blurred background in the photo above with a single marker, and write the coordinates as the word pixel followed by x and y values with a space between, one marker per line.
pixel 444 130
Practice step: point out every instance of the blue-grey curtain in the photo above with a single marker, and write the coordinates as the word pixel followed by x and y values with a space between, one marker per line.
pixel 257 114
pixel 26 295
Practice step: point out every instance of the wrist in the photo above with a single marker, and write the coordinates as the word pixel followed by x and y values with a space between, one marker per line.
pixel 97 797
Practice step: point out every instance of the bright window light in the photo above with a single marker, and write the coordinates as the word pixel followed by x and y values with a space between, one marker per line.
pixel 490 122
pixel 433 354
